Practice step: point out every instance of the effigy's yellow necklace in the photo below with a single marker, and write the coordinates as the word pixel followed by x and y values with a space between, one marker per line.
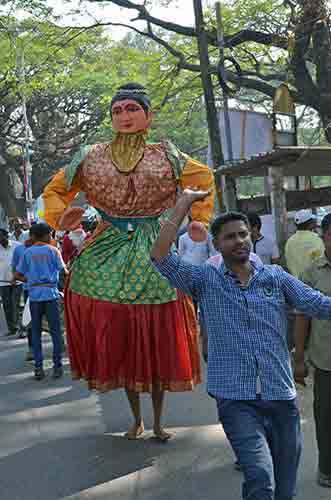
pixel 127 150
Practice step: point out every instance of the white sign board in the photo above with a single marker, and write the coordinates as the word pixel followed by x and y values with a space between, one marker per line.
pixel 251 134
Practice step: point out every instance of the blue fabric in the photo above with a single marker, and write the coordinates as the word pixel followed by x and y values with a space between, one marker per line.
pixel 266 438
pixel 246 327
pixel 41 264
pixel 123 223
pixel 17 256
pixel 51 310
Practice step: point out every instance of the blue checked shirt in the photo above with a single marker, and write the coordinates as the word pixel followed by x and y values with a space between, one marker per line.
pixel 246 327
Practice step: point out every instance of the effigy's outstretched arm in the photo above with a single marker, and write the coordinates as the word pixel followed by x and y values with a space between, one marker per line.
pixel 57 197
pixel 197 176
pixel 63 188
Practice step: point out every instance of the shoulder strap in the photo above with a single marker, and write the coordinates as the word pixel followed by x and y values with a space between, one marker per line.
pixel 78 158
pixel 176 158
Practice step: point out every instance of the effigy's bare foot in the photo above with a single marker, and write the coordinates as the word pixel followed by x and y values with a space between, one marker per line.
pixel 161 435
pixel 135 432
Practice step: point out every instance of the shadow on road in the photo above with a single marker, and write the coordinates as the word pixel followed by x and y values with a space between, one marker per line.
pixel 58 441
pixel 61 468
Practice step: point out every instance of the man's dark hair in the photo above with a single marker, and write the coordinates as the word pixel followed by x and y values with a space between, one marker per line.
pixel 223 219
pixel 254 220
pixel 4 232
pixel 326 223
pixel 40 230
pixel 305 226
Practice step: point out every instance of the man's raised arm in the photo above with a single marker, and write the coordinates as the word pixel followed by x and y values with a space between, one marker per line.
pixel 169 230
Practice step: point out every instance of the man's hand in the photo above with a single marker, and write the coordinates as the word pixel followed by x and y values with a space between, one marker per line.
pixel 301 372
pixel 301 334
pixel 19 277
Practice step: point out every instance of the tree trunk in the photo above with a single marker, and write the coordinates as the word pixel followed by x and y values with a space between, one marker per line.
pixel 7 198
pixel 326 120
pixel 211 111
pixel 322 50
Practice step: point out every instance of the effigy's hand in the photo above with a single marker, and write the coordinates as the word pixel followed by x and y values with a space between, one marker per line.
pixel 71 219
pixel 197 232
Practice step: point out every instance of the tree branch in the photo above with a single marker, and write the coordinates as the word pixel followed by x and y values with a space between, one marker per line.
pixel 144 15
pixel 259 37
pixel 307 90
pixel 267 78
pixel 255 84
pixel 233 40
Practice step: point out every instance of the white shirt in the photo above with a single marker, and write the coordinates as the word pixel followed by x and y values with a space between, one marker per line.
pixel 22 237
pixel 77 237
pixel 266 249
pixel 6 256
pixel 195 252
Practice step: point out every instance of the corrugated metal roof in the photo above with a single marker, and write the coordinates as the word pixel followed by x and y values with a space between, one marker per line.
pixel 294 160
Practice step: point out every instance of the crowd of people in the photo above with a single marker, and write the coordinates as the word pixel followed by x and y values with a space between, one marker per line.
pixel 135 283
pixel 40 279
pixel 33 259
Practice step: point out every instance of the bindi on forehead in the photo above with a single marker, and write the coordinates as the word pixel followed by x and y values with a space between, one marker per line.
pixel 124 105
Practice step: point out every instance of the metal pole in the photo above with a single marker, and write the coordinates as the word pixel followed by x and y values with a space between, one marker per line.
pixel 220 39
pixel 229 184
pixel 20 65
pixel 207 85
pixel 27 166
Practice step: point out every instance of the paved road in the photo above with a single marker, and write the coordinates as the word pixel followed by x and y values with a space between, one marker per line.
pixel 58 441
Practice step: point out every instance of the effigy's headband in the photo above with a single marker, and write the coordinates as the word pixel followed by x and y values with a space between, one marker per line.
pixel 138 95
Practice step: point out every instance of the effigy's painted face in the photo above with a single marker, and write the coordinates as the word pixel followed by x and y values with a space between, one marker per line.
pixel 129 117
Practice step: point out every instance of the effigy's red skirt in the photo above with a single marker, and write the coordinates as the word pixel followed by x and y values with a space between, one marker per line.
pixel 133 346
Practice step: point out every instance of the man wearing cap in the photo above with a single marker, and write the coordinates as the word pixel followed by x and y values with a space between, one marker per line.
pixel 304 245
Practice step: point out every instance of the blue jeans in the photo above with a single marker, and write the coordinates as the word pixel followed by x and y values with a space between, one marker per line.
pixel 51 310
pixel 266 438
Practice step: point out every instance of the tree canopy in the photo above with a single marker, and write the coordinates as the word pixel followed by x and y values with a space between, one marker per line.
pixel 273 41
pixel 70 76
pixel 72 72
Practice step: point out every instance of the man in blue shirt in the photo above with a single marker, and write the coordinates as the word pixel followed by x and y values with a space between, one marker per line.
pixel 244 306
pixel 17 257
pixel 40 268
